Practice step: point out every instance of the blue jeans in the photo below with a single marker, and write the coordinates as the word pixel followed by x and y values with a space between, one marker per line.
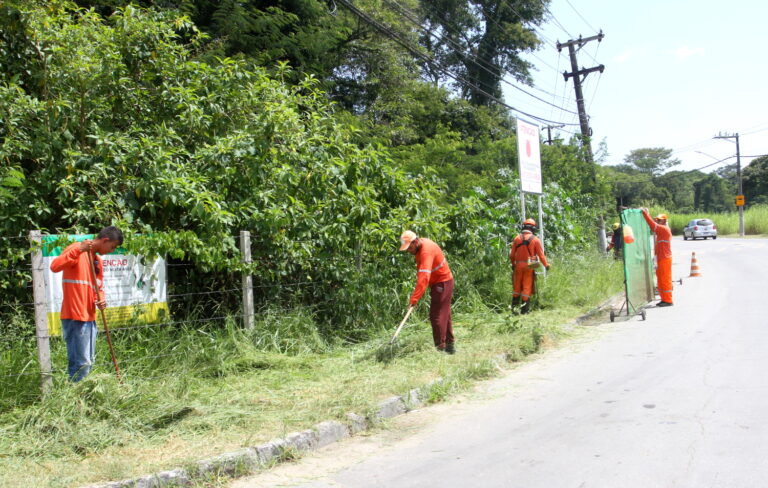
pixel 81 347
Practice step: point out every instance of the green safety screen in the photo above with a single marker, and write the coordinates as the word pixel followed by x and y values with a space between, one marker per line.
pixel 638 260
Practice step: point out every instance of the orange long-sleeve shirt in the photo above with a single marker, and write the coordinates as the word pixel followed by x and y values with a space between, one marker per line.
pixel 79 295
pixel 431 268
pixel 519 253
pixel 663 233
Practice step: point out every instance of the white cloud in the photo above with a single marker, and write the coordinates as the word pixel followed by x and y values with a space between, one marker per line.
pixel 685 52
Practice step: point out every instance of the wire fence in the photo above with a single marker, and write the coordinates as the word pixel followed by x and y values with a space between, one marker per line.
pixel 300 284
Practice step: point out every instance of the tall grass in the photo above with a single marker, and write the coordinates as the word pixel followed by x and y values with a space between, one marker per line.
pixel 755 220
pixel 202 388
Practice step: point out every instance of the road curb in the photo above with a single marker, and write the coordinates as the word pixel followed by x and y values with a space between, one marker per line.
pixel 249 460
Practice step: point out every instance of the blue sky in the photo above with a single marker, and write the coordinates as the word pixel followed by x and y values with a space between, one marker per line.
pixel 677 73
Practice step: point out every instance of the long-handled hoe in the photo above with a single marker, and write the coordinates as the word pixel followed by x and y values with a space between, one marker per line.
pixel 104 318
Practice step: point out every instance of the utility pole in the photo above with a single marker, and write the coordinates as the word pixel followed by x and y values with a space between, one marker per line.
pixel 549 132
pixel 586 133
pixel 578 75
pixel 738 175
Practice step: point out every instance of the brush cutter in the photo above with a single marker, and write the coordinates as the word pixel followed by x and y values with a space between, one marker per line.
pixel 400 327
pixel 104 317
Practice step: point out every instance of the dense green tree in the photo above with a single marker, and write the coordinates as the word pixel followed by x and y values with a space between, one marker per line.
pixel 131 129
pixel 652 161
pixel 679 184
pixel 480 41
pixel 755 181
pixel 300 32
pixel 632 187
pixel 713 194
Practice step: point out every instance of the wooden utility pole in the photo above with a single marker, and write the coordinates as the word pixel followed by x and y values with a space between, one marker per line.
pixel 738 175
pixel 578 75
pixel 549 132
pixel 586 133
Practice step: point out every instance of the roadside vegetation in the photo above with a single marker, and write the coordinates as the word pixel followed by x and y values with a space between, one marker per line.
pixel 191 392
pixel 325 141
pixel 755 221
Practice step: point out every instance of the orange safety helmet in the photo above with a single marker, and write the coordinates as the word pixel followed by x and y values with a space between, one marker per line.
pixel 662 216
pixel 530 222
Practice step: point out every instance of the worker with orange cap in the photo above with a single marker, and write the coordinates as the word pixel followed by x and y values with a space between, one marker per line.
pixel 663 251
pixel 432 270
pixel 526 254
pixel 617 241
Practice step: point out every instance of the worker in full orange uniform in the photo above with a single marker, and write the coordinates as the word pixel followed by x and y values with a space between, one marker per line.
pixel 82 296
pixel 525 248
pixel 432 270
pixel 663 250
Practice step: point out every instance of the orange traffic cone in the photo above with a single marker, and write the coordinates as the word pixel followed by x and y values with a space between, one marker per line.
pixel 694 266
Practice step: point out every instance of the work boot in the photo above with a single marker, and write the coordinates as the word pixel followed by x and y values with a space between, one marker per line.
pixel 450 348
pixel 525 307
pixel 664 304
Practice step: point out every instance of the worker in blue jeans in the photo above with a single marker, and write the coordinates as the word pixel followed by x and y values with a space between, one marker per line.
pixel 82 296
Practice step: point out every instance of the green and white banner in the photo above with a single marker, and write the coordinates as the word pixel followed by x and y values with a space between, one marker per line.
pixel 135 288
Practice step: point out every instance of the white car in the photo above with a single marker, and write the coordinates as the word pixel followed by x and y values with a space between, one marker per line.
pixel 703 228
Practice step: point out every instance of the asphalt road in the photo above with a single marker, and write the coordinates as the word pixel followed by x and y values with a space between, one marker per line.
pixel 678 400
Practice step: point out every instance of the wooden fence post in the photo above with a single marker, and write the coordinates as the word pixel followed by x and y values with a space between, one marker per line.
pixel 41 313
pixel 245 251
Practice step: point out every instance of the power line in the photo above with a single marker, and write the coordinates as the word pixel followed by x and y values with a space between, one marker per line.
pixel 754 131
pixel 539 35
pixel 557 22
pixel 580 16
pixel 477 60
pixel 594 92
pixel 392 35
pixel 710 141
pixel 557 79
pixel 649 178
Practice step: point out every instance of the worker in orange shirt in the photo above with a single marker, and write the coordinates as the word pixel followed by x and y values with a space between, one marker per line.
pixel 81 297
pixel 526 249
pixel 617 241
pixel 663 250
pixel 432 270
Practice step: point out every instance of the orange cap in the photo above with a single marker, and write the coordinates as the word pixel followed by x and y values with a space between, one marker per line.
pixel 661 216
pixel 406 238
pixel 530 222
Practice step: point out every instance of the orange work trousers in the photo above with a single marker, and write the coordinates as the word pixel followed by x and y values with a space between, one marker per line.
pixel 524 282
pixel 664 278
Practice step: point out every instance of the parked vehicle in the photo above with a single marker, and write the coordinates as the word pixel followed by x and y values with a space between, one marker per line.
pixel 703 228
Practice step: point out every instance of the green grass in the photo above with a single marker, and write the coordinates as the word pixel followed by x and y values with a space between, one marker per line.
pixel 195 392
pixel 755 220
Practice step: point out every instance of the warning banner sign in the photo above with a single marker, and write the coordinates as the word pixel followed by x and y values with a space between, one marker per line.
pixel 135 288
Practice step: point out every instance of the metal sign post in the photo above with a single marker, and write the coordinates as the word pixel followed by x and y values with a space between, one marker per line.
pixel 541 224
pixel 529 157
